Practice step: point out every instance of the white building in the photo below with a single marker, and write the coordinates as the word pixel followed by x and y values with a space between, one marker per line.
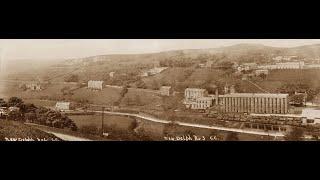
pixel 312 116
pixel 191 94
pixel 111 74
pixel 285 65
pixel 261 71
pixel 165 90
pixel 96 85
pixel 33 86
pixel 197 99
pixel 249 66
pixel 312 66
pixel 62 106
pixel 202 103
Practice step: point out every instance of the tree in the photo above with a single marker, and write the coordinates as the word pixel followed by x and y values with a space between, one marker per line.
pixel 15 101
pixel 296 134
pixel 3 103
pixel 124 91
pixel 72 78
pixel 23 87
pixel 298 99
pixel 263 76
pixel 66 91
pixel 155 85
pixel 141 84
pixel 232 136
pixel 27 108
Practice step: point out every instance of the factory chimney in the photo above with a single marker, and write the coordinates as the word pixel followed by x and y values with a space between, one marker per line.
pixel 217 97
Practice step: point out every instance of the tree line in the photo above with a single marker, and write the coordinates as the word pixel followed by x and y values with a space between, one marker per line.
pixel 18 110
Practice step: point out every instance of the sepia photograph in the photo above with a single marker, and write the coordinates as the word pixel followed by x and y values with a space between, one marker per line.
pixel 160 90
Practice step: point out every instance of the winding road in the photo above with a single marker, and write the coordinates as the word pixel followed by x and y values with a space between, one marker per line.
pixel 153 119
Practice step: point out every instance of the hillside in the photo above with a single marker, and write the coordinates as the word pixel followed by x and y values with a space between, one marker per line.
pixel 98 67
pixel 15 130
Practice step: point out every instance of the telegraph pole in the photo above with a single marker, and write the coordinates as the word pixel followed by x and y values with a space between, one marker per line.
pixel 102 121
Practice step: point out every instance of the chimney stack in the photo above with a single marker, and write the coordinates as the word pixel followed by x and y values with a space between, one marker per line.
pixel 217 97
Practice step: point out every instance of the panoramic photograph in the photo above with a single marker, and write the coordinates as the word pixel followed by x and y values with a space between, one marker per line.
pixel 159 89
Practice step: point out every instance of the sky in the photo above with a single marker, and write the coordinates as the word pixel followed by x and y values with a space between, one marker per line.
pixel 48 49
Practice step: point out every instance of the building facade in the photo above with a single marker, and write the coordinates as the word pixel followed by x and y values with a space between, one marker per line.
pixel 33 86
pixel 261 71
pixel 197 99
pixel 62 106
pixel 192 94
pixel 165 90
pixel 96 85
pixel 202 103
pixel 255 103
pixel 285 65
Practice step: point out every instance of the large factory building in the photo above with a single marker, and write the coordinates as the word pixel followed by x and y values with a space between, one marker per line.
pixel 255 103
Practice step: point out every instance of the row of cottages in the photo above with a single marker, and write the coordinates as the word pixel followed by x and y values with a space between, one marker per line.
pixel 34 86
pixel 95 85
pixel 31 86
pixel 285 65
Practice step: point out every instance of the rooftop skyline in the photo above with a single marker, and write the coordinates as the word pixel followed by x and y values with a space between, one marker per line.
pixel 77 48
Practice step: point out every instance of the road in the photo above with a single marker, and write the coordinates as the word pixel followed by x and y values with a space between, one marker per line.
pixel 67 137
pixel 62 136
pixel 153 119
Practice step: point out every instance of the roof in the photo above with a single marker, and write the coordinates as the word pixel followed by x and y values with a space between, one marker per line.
pixel 65 103
pixel 204 99
pixel 311 113
pixel 165 87
pixel 194 89
pixel 95 81
pixel 256 95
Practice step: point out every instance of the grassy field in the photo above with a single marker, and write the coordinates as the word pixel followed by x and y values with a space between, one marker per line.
pixel 106 96
pixel 168 76
pixel 144 99
pixel 117 122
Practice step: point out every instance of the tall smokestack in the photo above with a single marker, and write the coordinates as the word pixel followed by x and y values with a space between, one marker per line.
pixel 217 97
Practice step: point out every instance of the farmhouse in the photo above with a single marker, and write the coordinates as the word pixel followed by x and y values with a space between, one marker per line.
pixel 3 112
pixel 261 71
pixel 165 90
pixel 62 106
pixel 33 86
pixel 96 85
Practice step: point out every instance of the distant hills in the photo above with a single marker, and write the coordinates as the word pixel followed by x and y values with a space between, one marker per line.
pixel 234 52
pixel 308 51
